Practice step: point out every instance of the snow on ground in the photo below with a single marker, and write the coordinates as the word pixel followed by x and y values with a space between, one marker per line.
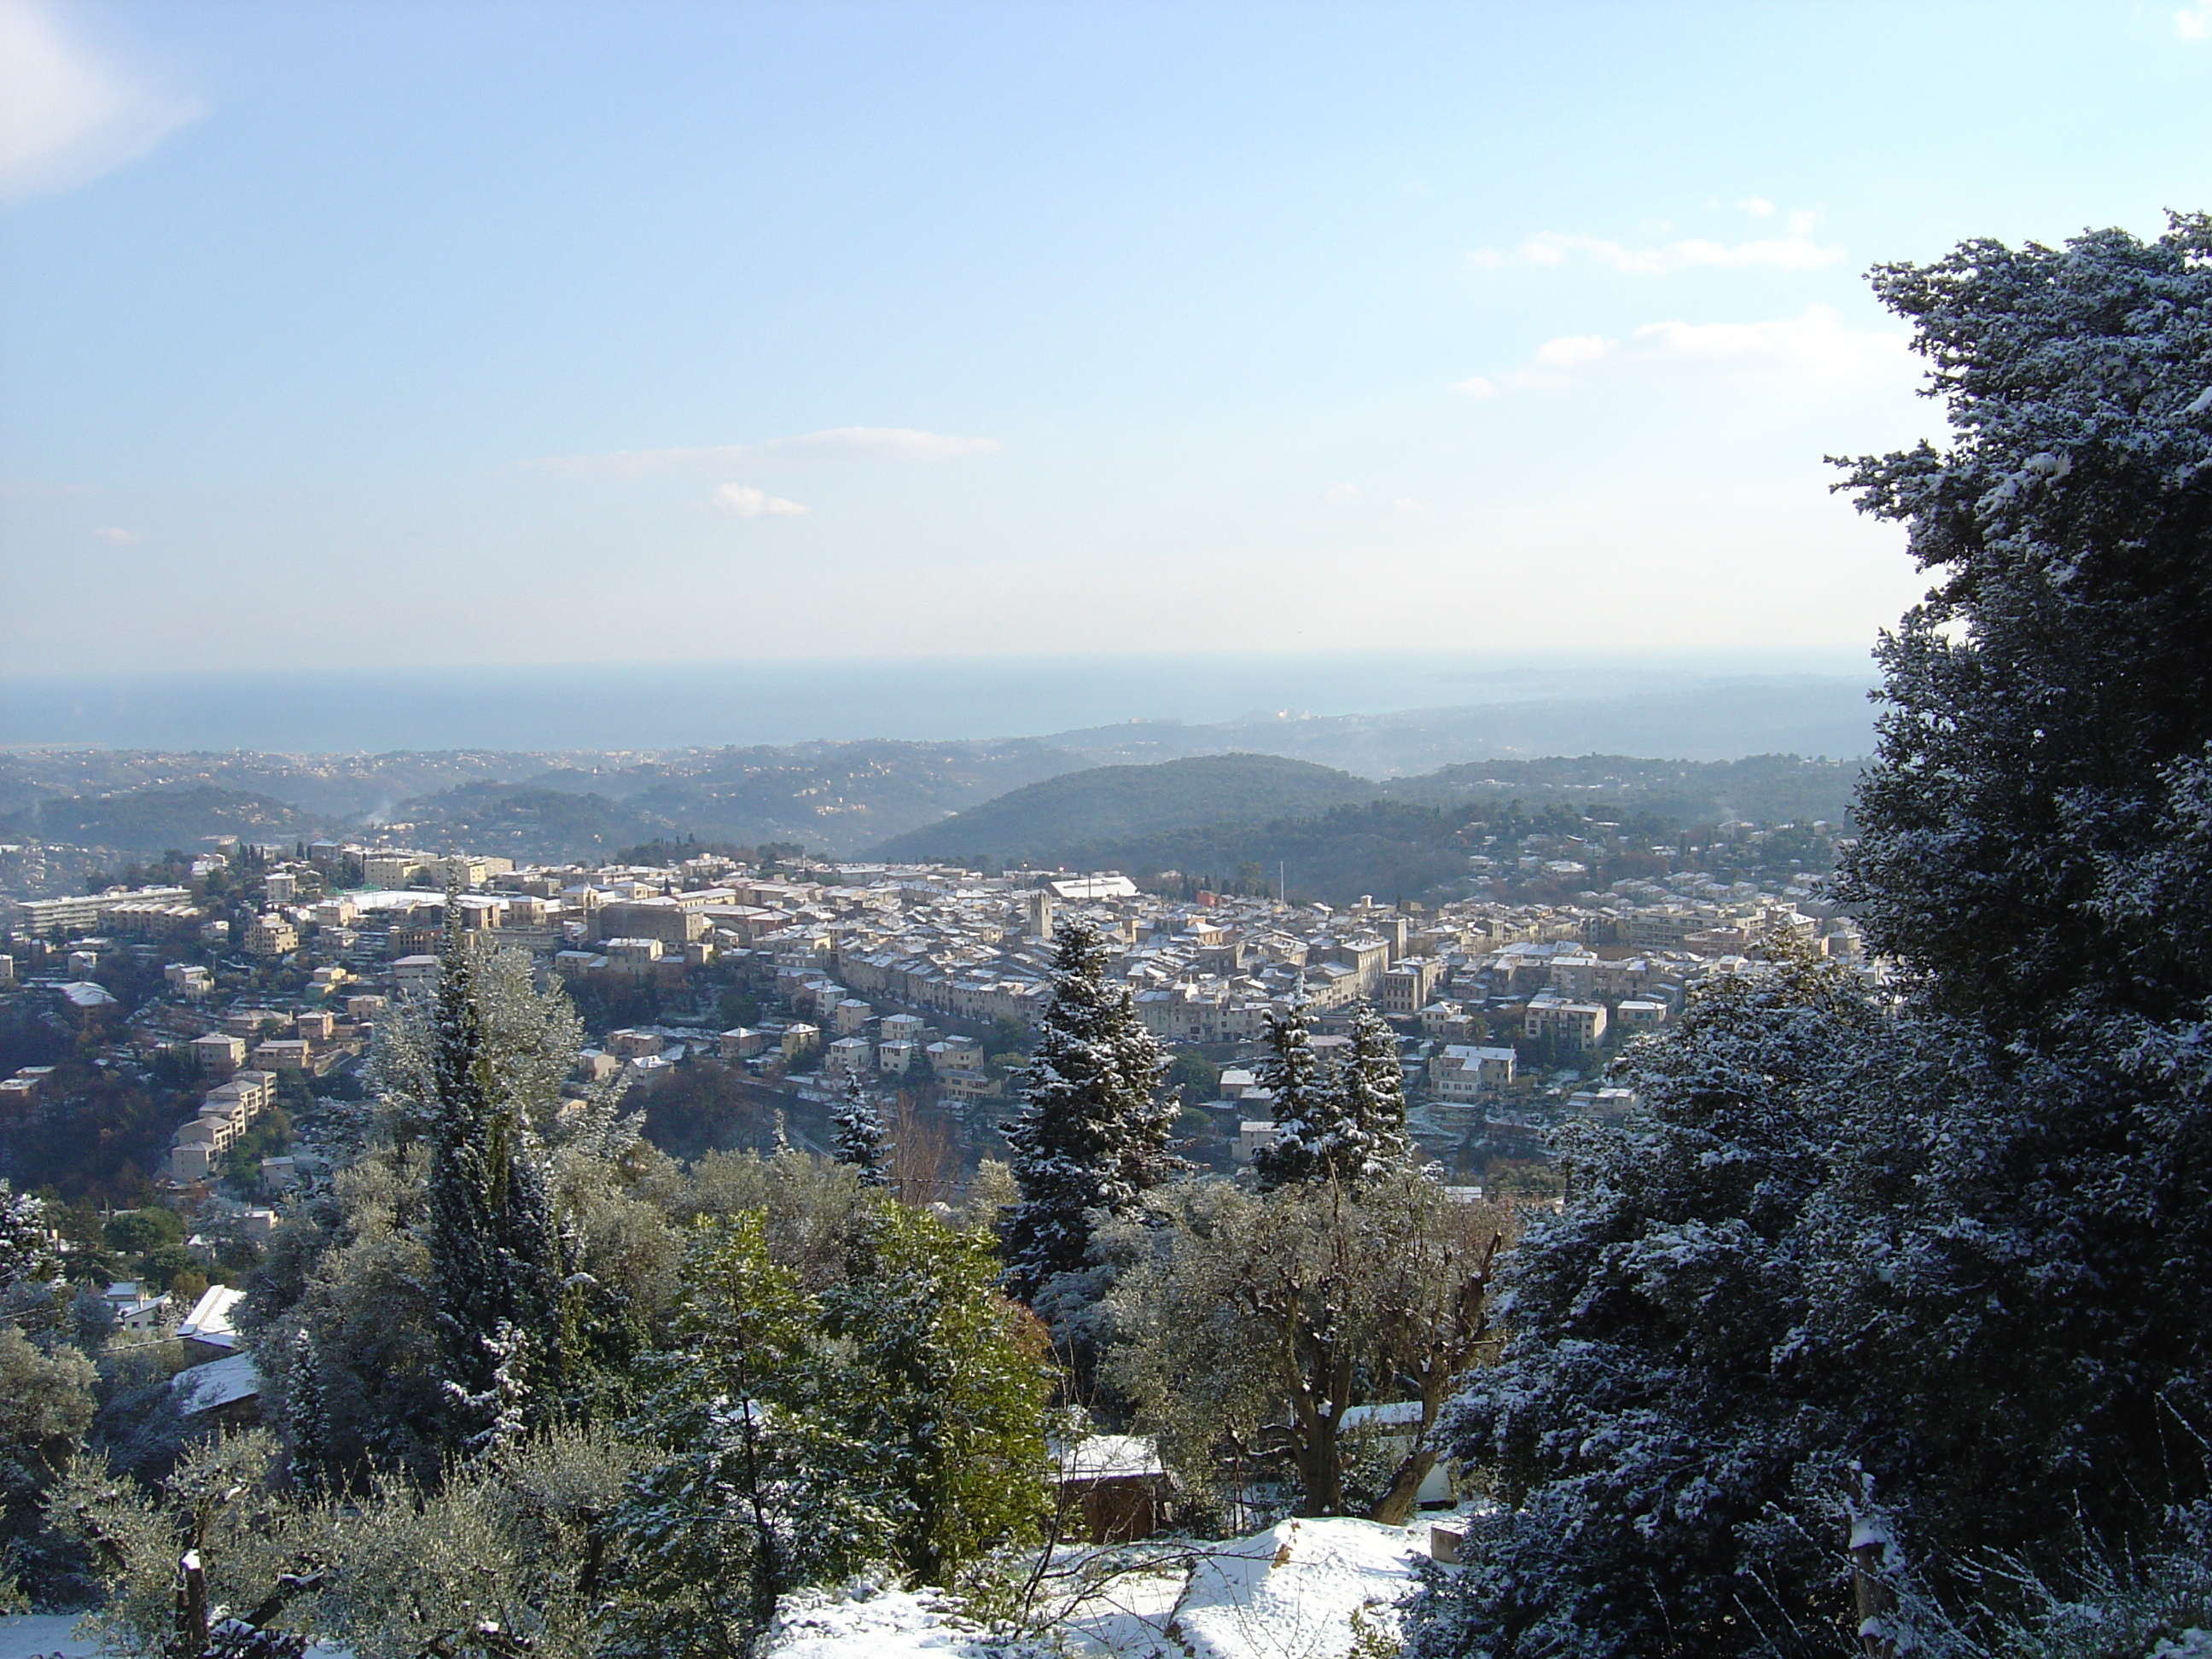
pixel 35 1635
pixel 1304 1589
pixel 864 1622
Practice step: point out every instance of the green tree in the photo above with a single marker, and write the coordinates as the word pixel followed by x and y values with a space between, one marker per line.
pixel 1193 1076
pixel 759 1488
pixel 952 1388
pixel 1092 1136
pixel 495 1256
pixel 860 1139
pixel 1253 1317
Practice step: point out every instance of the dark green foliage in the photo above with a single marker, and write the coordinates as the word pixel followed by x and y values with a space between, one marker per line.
pixel 494 1252
pixel 1110 805
pixel 1092 1136
pixel 1945 1271
pixel 2026 760
pixel 149 820
pixel 1195 1079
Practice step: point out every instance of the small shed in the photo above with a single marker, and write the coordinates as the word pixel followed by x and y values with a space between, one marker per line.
pixel 207 1332
pixel 222 1391
pixel 1117 1482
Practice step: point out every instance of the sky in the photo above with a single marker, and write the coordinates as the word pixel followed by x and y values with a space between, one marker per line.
pixel 387 335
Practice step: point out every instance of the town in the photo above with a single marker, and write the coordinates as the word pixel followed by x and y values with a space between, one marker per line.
pixel 196 1038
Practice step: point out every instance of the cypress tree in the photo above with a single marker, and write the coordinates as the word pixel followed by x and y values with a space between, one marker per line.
pixel 1091 1136
pixel 494 1256
pixel 860 1139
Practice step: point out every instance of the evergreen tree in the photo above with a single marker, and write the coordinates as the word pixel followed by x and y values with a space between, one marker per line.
pixel 306 1412
pixel 861 1137
pixel 25 1256
pixel 2051 700
pixel 1373 1091
pixel 1959 1255
pixel 1091 1136
pixel 493 1251
pixel 1307 1109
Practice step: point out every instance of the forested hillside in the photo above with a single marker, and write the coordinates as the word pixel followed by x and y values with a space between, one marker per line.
pixel 1108 805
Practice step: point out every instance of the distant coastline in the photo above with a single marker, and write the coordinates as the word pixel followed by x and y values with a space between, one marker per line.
pixel 672 705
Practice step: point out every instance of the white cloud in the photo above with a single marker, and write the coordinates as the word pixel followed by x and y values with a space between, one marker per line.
pixel 1796 251
pixel 1341 492
pixel 2194 22
pixel 747 503
pixel 1408 504
pixel 1815 347
pixel 839 443
pixel 67 116
pixel 116 536
pixel 1756 204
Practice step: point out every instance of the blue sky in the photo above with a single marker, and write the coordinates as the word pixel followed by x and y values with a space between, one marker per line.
pixel 384 334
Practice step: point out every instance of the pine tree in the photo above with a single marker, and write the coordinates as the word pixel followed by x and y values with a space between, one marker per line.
pixel 1373 1091
pixel 1350 1128
pixel 494 1254
pixel 861 1137
pixel 1091 1138
pixel 1306 1107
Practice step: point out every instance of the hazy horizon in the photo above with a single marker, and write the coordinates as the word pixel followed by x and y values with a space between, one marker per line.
pixel 664 706
pixel 363 337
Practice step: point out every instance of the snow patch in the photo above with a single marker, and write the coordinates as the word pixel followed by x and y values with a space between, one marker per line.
pixel 1304 1589
pixel 863 1621
pixel 44 1636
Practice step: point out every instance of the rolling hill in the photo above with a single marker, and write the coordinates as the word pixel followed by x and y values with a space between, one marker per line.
pixel 1109 803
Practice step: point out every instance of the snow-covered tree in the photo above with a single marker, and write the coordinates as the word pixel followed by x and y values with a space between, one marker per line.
pixel 1372 1088
pixel 2045 700
pixel 495 1253
pixel 1093 1135
pixel 1348 1128
pixel 859 1137
pixel 1306 1107
pixel 1958 1255
pixel 25 1256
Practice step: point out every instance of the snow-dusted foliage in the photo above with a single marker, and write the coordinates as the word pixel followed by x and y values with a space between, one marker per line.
pixel 2040 696
pixel 495 1253
pixel 25 1256
pixel 1092 1134
pixel 1663 1397
pixel 1348 1128
pixel 861 1137
pixel 895 1418
pixel 1306 1107
pixel 1955 1255
pixel 1374 1140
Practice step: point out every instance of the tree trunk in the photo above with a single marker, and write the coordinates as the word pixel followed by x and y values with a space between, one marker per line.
pixel 1396 1505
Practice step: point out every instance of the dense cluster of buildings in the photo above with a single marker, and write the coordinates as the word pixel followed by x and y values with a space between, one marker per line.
pixel 878 972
